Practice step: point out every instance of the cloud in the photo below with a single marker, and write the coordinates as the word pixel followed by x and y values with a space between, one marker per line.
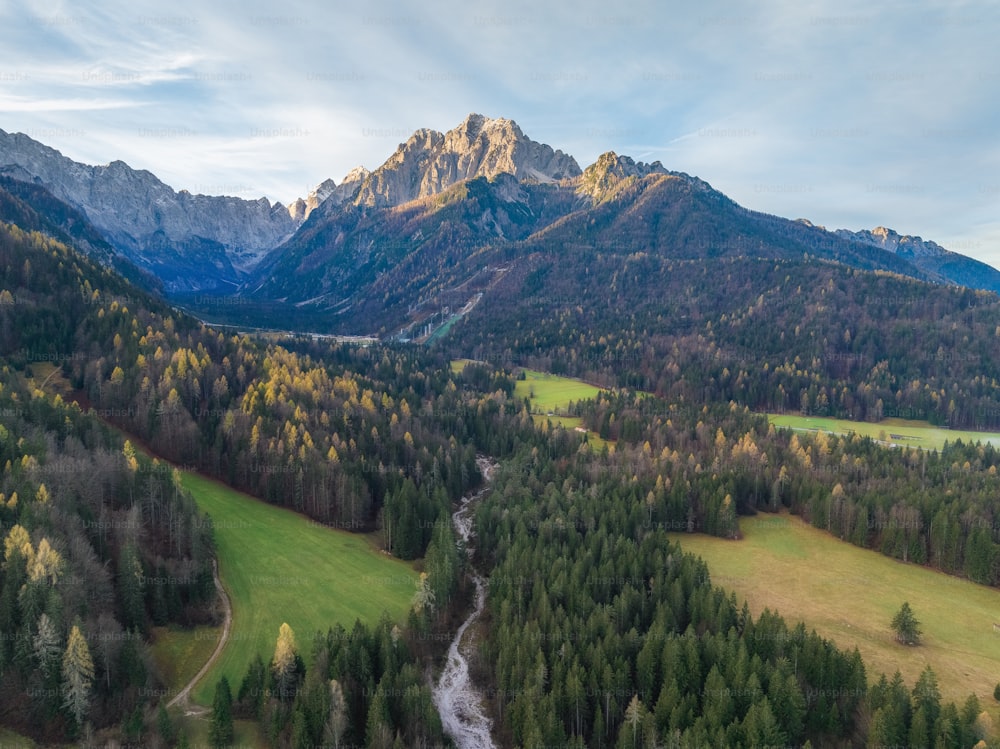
pixel 29 104
pixel 834 111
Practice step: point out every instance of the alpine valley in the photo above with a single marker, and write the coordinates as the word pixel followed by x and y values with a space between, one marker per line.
pixel 414 461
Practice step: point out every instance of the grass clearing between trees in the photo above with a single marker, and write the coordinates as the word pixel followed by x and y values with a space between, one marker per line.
pixel 551 393
pixel 897 432
pixel 550 396
pixel 850 595
pixel 179 652
pixel 278 566
pixel 11 740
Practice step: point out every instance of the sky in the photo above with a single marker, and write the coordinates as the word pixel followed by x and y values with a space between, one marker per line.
pixel 850 114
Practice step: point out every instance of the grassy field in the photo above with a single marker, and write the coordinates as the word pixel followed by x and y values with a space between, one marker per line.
pixel 551 393
pixel 180 652
pixel 550 396
pixel 277 566
pixel 901 432
pixel 11 740
pixel 850 595
pixel 247 734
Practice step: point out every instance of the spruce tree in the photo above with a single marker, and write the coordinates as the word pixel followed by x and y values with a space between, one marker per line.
pixel 906 626
pixel 220 733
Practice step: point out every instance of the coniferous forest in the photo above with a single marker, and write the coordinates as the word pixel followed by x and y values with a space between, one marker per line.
pixel 598 629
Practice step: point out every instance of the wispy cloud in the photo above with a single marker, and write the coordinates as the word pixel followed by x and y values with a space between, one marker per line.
pixel 13 104
pixel 846 113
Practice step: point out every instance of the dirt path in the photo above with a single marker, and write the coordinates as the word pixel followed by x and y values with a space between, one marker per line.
pixel 183 697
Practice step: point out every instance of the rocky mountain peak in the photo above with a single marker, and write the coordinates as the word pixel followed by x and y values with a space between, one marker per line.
pixel 892 241
pixel 209 240
pixel 479 146
pixel 611 170
pixel 331 194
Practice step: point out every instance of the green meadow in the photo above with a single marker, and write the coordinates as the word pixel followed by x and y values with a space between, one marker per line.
pixel 278 566
pixel 900 432
pixel 11 740
pixel 551 393
pixel 550 396
pixel 850 595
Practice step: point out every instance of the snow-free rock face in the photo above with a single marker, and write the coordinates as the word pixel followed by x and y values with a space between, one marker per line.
pixel 610 171
pixel 930 257
pixel 430 162
pixel 192 242
pixel 900 244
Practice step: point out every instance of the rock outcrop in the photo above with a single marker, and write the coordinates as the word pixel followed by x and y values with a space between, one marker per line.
pixel 900 244
pixel 430 161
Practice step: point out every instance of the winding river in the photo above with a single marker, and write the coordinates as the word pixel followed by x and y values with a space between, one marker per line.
pixel 457 699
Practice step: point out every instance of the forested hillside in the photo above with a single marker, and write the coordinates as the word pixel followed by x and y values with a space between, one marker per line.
pixel 337 438
pixel 100 543
pixel 598 631
pixel 781 336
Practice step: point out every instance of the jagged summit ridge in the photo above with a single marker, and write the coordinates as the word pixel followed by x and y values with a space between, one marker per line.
pixel 430 161
pixel 900 244
pixel 204 238
pixel 610 170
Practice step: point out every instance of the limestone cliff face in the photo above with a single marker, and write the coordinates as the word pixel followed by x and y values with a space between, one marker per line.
pixel 193 242
pixel 200 242
pixel 930 257
pixel 430 161
pixel 900 244
pixel 604 177
pixel 334 194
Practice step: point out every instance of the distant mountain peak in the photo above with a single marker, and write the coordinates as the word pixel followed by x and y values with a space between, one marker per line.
pixel 430 162
pixel 329 192
pixel 606 175
pixel 205 241
pixel 891 240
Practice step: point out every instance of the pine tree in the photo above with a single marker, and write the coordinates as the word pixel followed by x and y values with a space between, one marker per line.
pixel 906 626
pixel 131 585
pixel 760 726
pixel 164 725
pixel 423 599
pixel 78 675
pixel 927 695
pixel 631 728
pixel 878 732
pixel 378 731
pixel 251 695
pixel 919 730
pixel 220 733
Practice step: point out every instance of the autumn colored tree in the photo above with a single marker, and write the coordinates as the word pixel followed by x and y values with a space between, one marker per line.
pixel 78 675
pixel 283 664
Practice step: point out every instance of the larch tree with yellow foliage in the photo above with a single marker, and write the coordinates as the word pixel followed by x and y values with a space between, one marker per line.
pixel 284 665
pixel 78 675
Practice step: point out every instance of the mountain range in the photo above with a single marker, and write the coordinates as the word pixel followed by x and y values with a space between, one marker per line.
pixel 441 222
